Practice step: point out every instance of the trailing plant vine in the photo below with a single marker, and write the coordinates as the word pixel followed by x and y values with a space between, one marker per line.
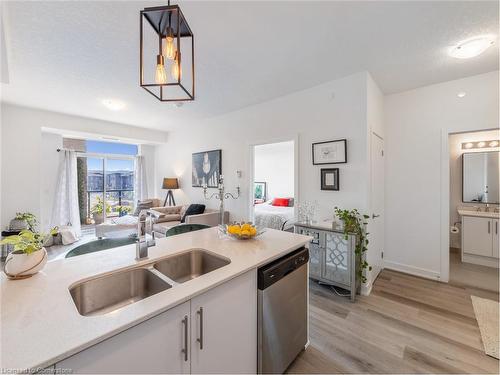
pixel 28 218
pixel 355 223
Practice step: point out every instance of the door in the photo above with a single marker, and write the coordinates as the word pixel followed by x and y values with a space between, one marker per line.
pixel 376 222
pixel 496 243
pixel 154 346
pixel 223 332
pixel 477 239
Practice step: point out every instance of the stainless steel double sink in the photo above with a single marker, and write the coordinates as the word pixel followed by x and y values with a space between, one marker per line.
pixel 103 294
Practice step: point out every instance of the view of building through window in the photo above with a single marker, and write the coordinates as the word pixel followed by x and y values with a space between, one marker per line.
pixel 106 180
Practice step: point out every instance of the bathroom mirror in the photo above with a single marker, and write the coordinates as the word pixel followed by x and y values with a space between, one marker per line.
pixel 480 177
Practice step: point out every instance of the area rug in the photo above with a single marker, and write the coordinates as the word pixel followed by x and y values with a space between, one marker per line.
pixel 486 311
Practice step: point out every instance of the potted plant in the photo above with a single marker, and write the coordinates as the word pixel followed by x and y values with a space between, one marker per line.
pixel 23 220
pixel 29 255
pixel 123 210
pixel 355 223
pixel 98 211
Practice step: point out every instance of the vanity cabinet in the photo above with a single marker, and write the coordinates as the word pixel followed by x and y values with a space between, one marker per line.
pixel 215 332
pixel 480 240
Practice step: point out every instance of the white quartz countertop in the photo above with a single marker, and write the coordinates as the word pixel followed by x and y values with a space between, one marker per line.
pixel 490 214
pixel 40 324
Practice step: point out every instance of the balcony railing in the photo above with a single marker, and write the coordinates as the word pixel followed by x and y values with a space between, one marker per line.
pixel 120 197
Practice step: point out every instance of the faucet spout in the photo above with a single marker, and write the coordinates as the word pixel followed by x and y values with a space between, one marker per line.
pixel 145 221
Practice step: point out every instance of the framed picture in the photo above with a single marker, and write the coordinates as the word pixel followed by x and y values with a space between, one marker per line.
pixel 329 179
pixel 206 169
pixel 330 152
pixel 259 191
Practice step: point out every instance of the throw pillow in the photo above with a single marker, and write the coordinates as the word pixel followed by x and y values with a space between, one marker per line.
pixel 281 202
pixel 169 217
pixel 143 205
pixel 193 209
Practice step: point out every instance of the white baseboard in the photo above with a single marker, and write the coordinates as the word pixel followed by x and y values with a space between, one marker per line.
pixel 422 272
pixel 480 260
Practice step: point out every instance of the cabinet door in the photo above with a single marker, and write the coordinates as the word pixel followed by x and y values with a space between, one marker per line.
pixel 153 346
pixel 478 236
pixel 224 328
pixel 496 243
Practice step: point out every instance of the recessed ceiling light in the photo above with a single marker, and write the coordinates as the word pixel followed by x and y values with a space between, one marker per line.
pixel 472 47
pixel 461 94
pixel 113 104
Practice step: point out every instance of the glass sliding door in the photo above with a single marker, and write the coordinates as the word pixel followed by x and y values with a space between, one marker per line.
pixel 119 186
pixel 91 194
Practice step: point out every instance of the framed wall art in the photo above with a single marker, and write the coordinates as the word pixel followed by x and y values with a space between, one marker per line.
pixel 206 169
pixel 329 152
pixel 330 179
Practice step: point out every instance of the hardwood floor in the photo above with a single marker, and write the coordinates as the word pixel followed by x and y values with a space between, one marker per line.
pixel 407 325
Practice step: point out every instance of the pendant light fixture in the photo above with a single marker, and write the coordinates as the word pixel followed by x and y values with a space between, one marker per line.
pixel 165 36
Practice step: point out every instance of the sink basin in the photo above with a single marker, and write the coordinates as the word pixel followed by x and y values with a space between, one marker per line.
pixel 108 293
pixel 187 266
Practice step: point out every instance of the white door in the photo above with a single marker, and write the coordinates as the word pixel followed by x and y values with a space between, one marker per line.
pixel 376 221
pixel 154 346
pixel 223 332
pixel 496 243
pixel 477 236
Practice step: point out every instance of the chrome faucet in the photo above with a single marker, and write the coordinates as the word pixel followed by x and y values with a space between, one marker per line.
pixel 145 222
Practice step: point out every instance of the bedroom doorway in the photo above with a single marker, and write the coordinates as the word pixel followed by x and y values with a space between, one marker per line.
pixel 274 185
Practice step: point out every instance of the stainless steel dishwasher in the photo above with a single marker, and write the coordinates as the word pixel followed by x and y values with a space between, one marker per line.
pixel 282 311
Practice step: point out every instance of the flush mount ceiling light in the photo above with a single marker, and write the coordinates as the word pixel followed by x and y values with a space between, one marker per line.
pixel 113 104
pixel 166 54
pixel 480 144
pixel 472 47
pixel 461 94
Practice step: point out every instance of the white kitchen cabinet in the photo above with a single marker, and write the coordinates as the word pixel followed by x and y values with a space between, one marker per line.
pixel 496 243
pixel 154 346
pixel 224 328
pixel 477 236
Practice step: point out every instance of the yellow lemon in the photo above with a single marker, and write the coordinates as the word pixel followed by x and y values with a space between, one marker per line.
pixel 253 231
pixel 245 232
pixel 246 226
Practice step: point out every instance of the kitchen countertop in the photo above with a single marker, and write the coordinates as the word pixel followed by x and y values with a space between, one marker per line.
pixel 491 214
pixel 40 324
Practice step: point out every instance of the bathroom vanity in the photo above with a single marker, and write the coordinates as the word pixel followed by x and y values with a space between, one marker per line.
pixel 480 237
pixel 190 307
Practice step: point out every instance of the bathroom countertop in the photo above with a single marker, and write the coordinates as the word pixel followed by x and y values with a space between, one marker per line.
pixel 40 324
pixel 490 214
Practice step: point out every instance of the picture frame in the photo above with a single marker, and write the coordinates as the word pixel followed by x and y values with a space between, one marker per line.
pixel 330 179
pixel 259 191
pixel 206 168
pixel 329 152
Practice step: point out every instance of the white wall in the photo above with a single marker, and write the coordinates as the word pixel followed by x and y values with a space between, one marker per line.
pixel 311 114
pixel 274 164
pixel 456 151
pixel 29 157
pixel 417 126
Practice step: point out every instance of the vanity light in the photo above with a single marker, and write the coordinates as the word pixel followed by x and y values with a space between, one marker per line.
pixel 480 144
pixel 472 47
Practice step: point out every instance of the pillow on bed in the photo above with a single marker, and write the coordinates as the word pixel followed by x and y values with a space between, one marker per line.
pixel 281 202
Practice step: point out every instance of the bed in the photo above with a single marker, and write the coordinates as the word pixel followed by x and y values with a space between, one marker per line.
pixel 274 217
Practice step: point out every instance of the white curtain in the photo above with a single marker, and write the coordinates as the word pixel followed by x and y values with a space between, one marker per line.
pixel 66 210
pixel 141 181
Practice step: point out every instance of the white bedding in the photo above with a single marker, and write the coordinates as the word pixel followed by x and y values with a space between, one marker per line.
pixel 274 217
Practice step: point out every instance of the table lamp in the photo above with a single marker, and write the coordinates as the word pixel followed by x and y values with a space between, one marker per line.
pixel 170 184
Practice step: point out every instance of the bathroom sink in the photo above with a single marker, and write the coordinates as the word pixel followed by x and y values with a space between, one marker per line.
pixel 108 293
pixel 189 265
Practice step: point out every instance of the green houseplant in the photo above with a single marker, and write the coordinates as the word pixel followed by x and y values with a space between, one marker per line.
pixel 29 255
pixel 355 223
pixel 98 210
pixel 123 210
pixel 23 220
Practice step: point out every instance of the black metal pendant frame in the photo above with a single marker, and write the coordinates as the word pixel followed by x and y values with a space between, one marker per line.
pixel 160 19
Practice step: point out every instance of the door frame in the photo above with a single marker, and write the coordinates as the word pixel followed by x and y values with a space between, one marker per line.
pixel 445 199
pixel 251 173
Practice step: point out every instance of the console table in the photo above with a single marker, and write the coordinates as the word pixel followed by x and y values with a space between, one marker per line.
pixel 332 258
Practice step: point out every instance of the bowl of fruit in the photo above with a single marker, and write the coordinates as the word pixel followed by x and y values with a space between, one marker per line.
pixel 241 231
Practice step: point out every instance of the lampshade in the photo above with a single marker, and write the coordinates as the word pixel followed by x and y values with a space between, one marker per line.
pixel 170 183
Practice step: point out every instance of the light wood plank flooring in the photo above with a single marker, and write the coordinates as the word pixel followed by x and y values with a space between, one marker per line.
pixel 407 325
pixel 468 274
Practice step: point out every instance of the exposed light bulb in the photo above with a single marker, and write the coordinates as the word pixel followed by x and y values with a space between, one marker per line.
pixel 468 145
pixel 493 144
pixel 481 144
pixel 176 68
pixel 169 45
pixel 160 74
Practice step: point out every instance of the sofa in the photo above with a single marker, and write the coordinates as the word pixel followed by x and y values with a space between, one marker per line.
pixel 169 216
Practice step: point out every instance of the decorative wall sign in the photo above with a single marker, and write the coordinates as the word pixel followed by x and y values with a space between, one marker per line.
pixel 329 179
pixel 330 152
pixel 207 167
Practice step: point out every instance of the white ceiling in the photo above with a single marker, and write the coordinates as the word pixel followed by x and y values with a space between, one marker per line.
pixel 67 56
